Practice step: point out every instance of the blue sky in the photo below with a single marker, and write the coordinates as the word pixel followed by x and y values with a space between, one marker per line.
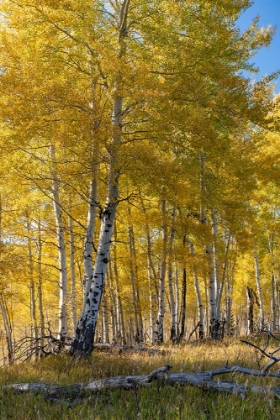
pixel 267 59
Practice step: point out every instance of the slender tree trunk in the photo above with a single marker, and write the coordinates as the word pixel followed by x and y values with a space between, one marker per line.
pixel 3 306
pixel 216 267
pixel 40 285
pixel 153 279
pixel 134 284
pixel 162 272
pixel 259 289
pixel 210 252
pixel 33 312
pixel 184 306
pixel 62 314
pixel 274 289
pixel 250 310
pixel 7 328
pixel 88 245
pixel 174 324
pixel 198 296
pixel 105 320
pixel 83 342
pixel 122 330
pixel 152 301
pixel 72 273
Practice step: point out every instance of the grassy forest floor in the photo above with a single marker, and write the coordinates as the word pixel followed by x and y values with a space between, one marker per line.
pixel 158 401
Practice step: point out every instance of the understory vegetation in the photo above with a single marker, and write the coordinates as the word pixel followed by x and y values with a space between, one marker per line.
pixel 157 401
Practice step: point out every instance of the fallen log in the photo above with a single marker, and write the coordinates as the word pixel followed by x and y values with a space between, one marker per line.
pixel 203 380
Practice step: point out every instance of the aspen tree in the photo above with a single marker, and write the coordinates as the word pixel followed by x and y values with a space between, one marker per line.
pixel 83 342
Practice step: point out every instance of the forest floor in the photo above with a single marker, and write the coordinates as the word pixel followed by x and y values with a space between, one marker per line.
pixel 158 401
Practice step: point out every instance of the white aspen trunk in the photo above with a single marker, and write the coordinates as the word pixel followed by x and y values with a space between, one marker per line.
pixel 134 291
pixel 274 289
pixel 72 273
pixel 259 289
pixel 134 284
pixel 183 306
pixel 229 292
pixel 83 342
pixel 33 314
pixel 40 285
pixel 212 294
pixel 105 320
pixel 7 328
pixel 209 250
pixel 216 267
pixel 174 326
pixel 122 332
pixel 152 302
pixel 173 332
pixel 3 306
pixel 162 272
pixel 224 271
pixel 114 308
pixel 198 297
pixel 88 245
pixel 62 313
pixel 177 299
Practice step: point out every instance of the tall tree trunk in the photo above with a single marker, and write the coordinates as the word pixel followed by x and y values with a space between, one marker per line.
pixel 183 306
pixel 152 302
pixel 209 250
pixel 3 306
pixel 274 288
pixel 259 289
pixel 134 284
pixel 7 328
pixel 162 272
pixel 174 324
pixel 33 312
pixel 72 273
pixel 40 285
pixel 88 244
pixel 216 261
pixel 62 313
pixel 250 310
pixel 198 296
pixel 83 342
pixel 121 323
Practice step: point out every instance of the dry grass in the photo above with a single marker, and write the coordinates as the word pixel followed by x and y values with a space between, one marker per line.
pixel 156 402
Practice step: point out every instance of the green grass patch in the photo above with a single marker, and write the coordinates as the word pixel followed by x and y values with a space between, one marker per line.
pixel 154 402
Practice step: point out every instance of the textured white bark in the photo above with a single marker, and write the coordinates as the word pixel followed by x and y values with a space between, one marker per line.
pixel 121 332
pixel 105 321
pixel 72 273
pixel 62 313
pixel 88 245
pixel 7 328
pixel 216 266
pixel 83 342
pixel 134 284
pixel 274 289
pixel 152 303
pixel 174 324
pixel 259 289
pixel 162 273
pixel 40 285
pixel 33 312
pixel 3 306
pixel 198 296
